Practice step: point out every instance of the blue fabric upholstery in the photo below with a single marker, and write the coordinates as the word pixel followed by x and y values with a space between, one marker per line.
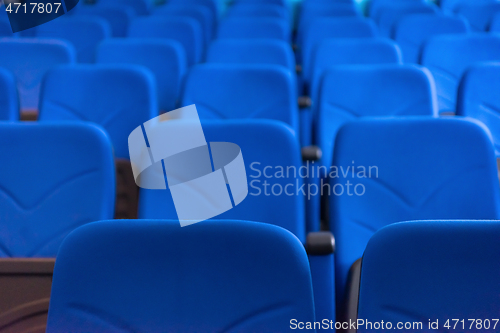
pixel 9 103
pixel 254 27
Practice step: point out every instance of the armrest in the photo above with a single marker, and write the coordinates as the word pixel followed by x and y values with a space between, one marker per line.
pixel 304 102
pixel 320 248
pixel 298 69
pixel 311 153
pixel 349 308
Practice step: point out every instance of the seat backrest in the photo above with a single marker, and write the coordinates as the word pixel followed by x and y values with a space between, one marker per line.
pixel 360 51
pixel 495 23
pixel 6 29
pixel 282 3
pixel 479 14
pixel 255 51
pixel 165 58
pixel 376 7
pixel 141 7
pixel 329 28
pixel 254 27
pixel 478 98
pixel 185 30
pixel 29 60
pixel 258 10
pixel 118 16
pixel 153 276
pixel 117 97
pixel 243 92
pixel 447 57
pixel 57 177
pixel 415 169
pixel 84 32
pixel 451 6
pixel 310 11
pixel 9 104
pixel 349 93
pixel 200 13
pixel 458 253
pixel 413 30
pixel 212 5
pixel 391 14
pixel 264 144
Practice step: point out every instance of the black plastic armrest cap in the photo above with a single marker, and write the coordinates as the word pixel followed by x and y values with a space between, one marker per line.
pixel 311 153
pixel 320 243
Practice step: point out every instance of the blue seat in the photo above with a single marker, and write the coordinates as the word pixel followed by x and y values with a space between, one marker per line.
pixel 212 5
pixel 9 104
pixel 118 16
pixel 29 60
pixel 254 27
pixel 495 23
pixel 458 253
pixel 251 9
pixel 326 28
pixel 243 92
pixel 311 11
pixel 376 7
pixel 412 31
pixel 117 97
pixel 390 14
pixel 141 7
pixel 185 30
pixel 172 271
pixel 165 58
pixel 58 176
pixel 447 57
pixel 85 33
pixel 5 28
pixel 263 143
pixel 479 15
pixel 198 12
pixel 415 169
pixel 451 6
pixel 362 51
pixel 349 93
pixel 255 51
pixel 283 3
pixel 478 98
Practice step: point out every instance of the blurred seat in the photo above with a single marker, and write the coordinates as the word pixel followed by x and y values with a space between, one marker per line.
pixel 479 15
pixel 165 58
pixel 58 176
pixel 447 57
pixel 118 16
pixel 263 143
pixel 212 5
pixel 117 97
pixel 414 168
pixel 254 27
pixel 250 9
pixel 478 98
pixel 329 28
pixel 243 92
pixel 311 11
pixel 29 60
pixel 5 28
pixel 495 23
pixel 198 12
pixel 9 101
pixel 349 93
pixel 451 6
pixel 255 51
pixel 141 7
pixel 362 51
pixel 174 270
pixel 185 30
pixel 458 253
pixel 84 32
pixel 413 30
pixel 390 14
pixel 376 7
pixel 283 3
